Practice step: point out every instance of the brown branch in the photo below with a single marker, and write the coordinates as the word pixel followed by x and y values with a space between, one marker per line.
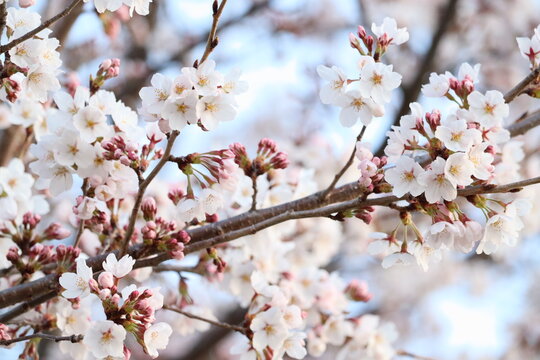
pixel 28 305
pixel 522 126
pixel 12 137
pixel 46 24
pixel 72 338
pixel 246 224
pixel 3 17
pixel 212 41
pixel 254 196
pixel 345 167
pixel 62 28
pixel 142 188
pixel 518 89
pixel 239 329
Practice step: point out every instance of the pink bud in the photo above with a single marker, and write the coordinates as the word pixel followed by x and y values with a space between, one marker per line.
pixel 280 161
pixel 56 232
pixel 106 279
pixel 105 65
pixel 358 291
pixel 149 208
pixel 26 3
pixel 361 32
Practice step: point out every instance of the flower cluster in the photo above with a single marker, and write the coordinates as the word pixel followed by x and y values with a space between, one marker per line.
pixel 127 310
pixel 199 96
pixel 363 97
pixel 433 157
pixel 141 7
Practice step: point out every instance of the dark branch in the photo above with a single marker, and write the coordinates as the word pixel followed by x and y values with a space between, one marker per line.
pixel 240 329
pixel 72 338
pixel 345 167
pixel 522 85
pixel 43 26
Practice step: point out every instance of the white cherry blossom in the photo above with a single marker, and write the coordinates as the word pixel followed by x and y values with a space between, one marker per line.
pixel 436 185
pixel 334 90
pixel 389 27
pixel 490 109
pixel 119 268
pixel 76 284
pixel 404 177
pixel 459 169
pixel 378 80
pixel 105 338
pixel 205 78
pixel 156 337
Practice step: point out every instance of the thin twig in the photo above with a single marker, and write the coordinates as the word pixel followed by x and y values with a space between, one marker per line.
pixel 345 167
pixel 254 197
pixel 46 24
pixel 72 338
pixel 240 329
pixel 3 17
pixel 142 188
pixel 212 41
pixel 522 126
pixel 80 228
pixel 518 89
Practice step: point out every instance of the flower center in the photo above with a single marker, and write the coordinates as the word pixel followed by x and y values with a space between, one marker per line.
pixel 376 79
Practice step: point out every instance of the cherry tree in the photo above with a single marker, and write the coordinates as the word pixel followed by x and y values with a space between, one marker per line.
pixel 104 256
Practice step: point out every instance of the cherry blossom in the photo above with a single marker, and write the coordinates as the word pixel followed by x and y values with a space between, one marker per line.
pixel 105 338
pixel 77 284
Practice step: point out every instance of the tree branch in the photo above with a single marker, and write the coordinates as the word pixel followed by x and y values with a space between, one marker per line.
pixel 72 338
pixel 142 188
pixel 46 24
pixel 240 329
pixel 254 196
pixel 518 89
pixel 345 167
pixel 212 41
pixel 25 306
pixel 243 225
pixel 522 126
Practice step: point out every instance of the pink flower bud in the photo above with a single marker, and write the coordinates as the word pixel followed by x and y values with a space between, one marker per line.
pixel 26 3
pixel 55 232
pixel 266 147
pixel 176 194
pixel 280 161
pixel 106 279
pixel 149 208
pixel 105 65
pixel 358 291
pixel 31 220
pixel 361 32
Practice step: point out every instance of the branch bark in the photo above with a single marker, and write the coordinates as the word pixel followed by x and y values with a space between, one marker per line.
pixel 224 325
pixel 142 189
pixel 72 338
pixel 46 24
pixel 345 167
